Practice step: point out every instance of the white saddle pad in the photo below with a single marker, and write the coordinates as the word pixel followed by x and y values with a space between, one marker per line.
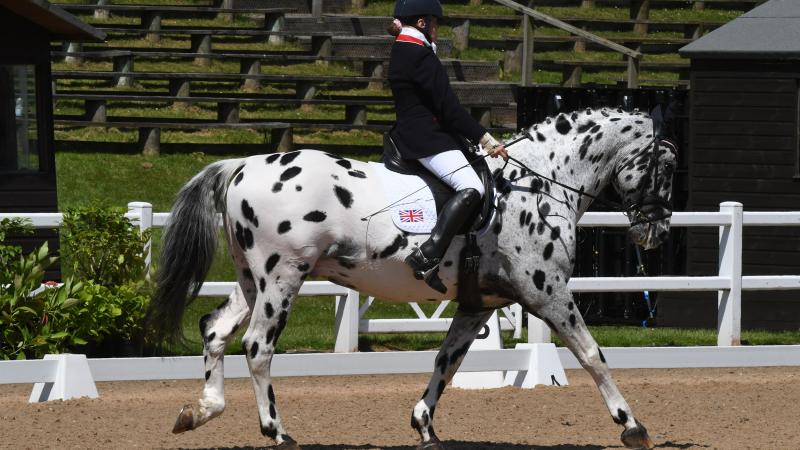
pixel 409 200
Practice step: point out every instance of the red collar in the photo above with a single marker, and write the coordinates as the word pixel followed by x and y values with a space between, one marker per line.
pixel 411 39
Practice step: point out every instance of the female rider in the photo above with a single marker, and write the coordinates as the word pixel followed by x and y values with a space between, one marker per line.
pixel 429 120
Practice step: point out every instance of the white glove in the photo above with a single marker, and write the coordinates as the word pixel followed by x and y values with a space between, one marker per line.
pixel 488 142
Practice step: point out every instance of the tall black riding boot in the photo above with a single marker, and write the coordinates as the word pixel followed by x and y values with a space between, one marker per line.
pixel 454 214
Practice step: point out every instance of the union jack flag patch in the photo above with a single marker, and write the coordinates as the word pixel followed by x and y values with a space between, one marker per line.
pixel 411 215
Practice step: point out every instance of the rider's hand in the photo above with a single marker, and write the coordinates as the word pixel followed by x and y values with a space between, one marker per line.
pixel 499 150
pixel 492 147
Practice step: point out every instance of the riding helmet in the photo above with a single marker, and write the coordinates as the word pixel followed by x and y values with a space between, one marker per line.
pixel 418 8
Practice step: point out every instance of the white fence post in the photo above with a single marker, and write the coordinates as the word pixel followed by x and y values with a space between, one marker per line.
pixel 538 331
pixel 144 211
pixel 347 316
pixel 729 305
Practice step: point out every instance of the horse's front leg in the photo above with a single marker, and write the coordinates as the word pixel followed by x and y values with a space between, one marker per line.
pixel 561 314
pixel 216 329
pixel 463 329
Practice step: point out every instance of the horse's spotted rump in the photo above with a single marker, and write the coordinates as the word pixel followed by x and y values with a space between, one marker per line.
pixel 345 163
pixel 357 174
pixel 290 173
pixel 244 237
pixel 284 227
pixel 238 178
pixel 315 216
pixel 277 187
pixel 249 214
pixel 289 157
pixel 345 197
pixel 262 284
pixel 271 158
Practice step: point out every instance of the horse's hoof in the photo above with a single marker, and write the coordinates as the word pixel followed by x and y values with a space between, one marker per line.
pixel 637 437
pixel 431 445
pixel 185 420
pixel 289 444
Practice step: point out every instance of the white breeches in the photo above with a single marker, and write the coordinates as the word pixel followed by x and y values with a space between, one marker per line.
pixel 453 168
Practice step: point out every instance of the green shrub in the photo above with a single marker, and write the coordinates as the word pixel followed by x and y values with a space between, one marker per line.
pixel 115 311
pixel 35 321
pixel 10 253
pixel 101 245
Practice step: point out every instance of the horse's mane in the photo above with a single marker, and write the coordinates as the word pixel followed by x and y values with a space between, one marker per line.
pixel 588 112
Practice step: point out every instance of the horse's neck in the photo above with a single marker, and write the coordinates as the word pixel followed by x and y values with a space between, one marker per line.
pixel 584 156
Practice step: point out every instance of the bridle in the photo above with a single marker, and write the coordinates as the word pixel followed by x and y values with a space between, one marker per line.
pixel 638 212
pixel 643 211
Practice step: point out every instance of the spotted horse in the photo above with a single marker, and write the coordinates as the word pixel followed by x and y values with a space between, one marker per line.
pixel 297 214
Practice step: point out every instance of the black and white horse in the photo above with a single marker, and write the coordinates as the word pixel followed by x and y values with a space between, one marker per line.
pixel 291 215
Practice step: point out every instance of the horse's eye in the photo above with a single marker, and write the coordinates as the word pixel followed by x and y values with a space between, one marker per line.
pixel 669 167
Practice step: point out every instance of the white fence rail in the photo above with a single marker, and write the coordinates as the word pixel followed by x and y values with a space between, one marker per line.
pixel 53 375
pixel 729 283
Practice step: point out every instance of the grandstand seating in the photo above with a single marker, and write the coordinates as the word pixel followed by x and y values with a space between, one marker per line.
pixel 232 48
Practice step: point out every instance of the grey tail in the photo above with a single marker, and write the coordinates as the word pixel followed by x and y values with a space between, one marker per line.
pixel 188 245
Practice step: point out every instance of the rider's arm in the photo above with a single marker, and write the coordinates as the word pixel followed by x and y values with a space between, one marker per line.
pixel 431 76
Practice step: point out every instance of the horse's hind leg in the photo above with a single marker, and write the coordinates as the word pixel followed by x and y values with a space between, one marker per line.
pixel 277 290
pixel 216 328
pixel 563 316
pixel 463 329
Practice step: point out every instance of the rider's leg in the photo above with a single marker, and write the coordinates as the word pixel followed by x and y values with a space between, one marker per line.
pixel 452 168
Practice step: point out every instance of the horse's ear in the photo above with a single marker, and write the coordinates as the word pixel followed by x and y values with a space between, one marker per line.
pixel 657 116
pixel 665 119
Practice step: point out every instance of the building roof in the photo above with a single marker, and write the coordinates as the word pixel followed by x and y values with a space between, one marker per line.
pixel 769 31
pixel 61 24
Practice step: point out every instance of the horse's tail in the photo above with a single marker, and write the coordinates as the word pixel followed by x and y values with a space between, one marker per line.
pixel 188 245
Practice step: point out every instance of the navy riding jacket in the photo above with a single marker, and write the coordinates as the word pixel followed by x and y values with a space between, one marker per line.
pixel 429 116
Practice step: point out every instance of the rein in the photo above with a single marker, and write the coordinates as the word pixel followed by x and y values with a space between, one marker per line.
pixel 633 211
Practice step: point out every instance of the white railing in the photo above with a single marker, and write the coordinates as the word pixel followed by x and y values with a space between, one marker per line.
pixel 729 282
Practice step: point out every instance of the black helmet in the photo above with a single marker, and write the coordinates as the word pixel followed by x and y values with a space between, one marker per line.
pixel 417 8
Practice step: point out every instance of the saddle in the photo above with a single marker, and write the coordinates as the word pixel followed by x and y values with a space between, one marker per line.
pixel 393 161
pixel 468 296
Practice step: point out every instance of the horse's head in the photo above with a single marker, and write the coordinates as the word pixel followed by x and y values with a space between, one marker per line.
pixel 644 181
